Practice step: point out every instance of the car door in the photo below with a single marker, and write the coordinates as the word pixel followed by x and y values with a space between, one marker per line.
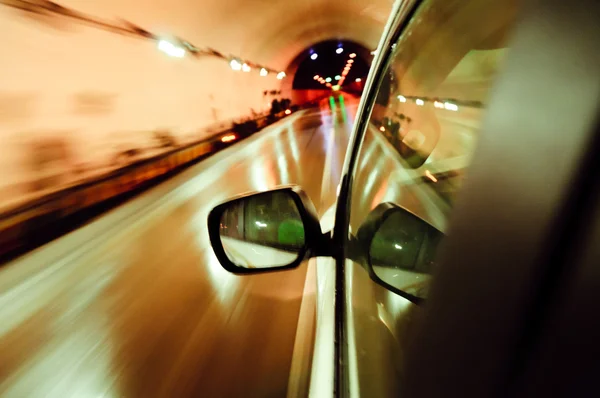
pixel 469 196
pixel 463 141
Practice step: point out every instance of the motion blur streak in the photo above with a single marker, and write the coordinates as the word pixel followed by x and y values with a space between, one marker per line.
pixel 134 304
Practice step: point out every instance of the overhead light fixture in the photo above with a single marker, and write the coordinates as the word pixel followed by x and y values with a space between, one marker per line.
pixel 352 55
pixel 420 102
pixel 316 77
pixel 228 138
pixel 358 80
pixel 402 98
pixel 350 61
pixel 328 80
pixel 339 50
pixel 263 72
pixel 337 77
pixel 450 106
pixel 280 75
pixel 314 56
pixel 235 64
pixel 246 67
pixel 438 104
pixel 171 49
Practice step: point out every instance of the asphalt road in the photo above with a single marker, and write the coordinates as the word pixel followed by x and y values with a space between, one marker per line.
pixel 134 304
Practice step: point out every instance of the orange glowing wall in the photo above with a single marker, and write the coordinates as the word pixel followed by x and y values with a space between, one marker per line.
pixel 94 93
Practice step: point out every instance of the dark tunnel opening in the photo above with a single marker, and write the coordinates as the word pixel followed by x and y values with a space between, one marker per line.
pixel 323 65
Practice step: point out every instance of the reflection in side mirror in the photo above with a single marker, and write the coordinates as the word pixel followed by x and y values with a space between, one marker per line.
pixel 263 231
pixel 401 249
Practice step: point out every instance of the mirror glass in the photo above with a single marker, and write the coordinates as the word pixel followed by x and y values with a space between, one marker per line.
pixel 263 231
pixel 402 252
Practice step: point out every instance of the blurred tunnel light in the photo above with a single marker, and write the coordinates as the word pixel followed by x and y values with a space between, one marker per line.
pixel 235 64
pixel 228 138
pixel 280 75
pixel 316 77
pixel 358 80
pixel 420 102
pixel 352 55
pixel 328 80
pixel 338 77
pixel 246 67
pixel 171 49
pixel 450 106
pixel 350 61
pixel 263 72
pixel 374 52
pixel 260 224
pixel 314 56
pixel 438 104
pixel 402 98
pixel 339 50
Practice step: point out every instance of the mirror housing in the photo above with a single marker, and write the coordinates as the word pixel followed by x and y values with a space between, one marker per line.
pixel 265 231
pixel 398 250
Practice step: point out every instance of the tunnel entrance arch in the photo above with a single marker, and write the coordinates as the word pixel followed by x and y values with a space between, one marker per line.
pixel 326 60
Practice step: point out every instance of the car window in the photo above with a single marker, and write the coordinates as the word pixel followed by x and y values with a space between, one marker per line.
pixel 425 123
pixel 421 136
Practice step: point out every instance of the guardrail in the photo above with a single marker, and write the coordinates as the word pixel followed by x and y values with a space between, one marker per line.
pixel 41 220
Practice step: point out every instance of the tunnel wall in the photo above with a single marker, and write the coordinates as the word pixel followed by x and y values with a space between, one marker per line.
pixel 302 96
pixel 73 96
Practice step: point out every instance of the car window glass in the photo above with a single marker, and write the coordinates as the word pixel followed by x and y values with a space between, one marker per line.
pixel 426 120
pixel 421 136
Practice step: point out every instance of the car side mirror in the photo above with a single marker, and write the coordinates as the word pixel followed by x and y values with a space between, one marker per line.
pixel 265 231
pixel 399 250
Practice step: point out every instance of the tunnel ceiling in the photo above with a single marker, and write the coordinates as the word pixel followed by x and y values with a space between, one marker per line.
pixel 271 32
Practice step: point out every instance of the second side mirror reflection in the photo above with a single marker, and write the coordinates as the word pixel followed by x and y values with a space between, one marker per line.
pixel 401 249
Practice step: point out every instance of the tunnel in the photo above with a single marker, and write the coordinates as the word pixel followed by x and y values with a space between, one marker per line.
pixel 97 91
pixel 244 198
pixel 128 131
pixel 115 107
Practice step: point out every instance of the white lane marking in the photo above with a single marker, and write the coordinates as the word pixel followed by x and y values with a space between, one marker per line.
pixel 31 293
pixel 350 329
pixel 301 357
pixel 323 367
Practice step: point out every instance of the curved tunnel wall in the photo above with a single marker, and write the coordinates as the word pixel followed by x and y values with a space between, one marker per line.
pixel 93 93
pixel 90 94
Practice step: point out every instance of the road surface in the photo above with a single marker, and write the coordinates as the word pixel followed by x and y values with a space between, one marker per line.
pixel 134 303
